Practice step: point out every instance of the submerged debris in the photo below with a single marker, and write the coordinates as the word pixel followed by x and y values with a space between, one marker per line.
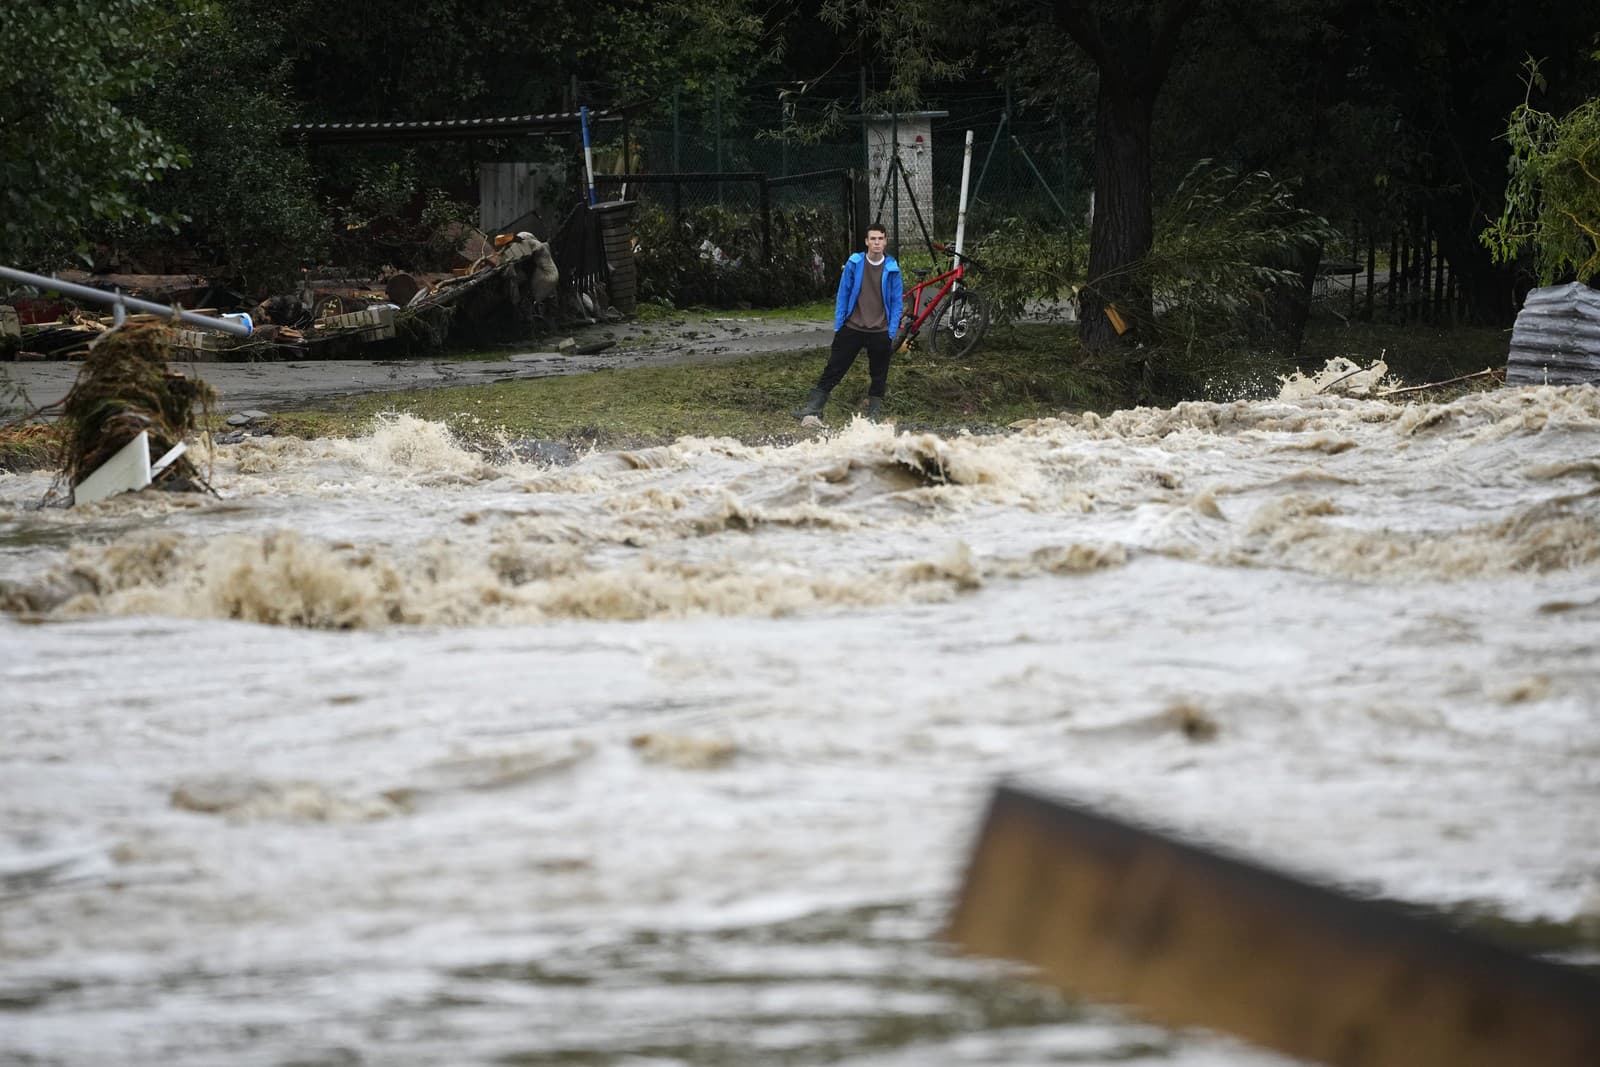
pixel 126 388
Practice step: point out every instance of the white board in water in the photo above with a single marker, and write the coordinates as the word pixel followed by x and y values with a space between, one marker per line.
pixel 128 469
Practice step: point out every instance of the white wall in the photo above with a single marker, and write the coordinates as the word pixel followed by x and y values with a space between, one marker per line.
pixel 916 156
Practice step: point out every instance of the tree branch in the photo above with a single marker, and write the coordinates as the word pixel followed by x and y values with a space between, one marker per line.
pixel 1164 43
pixel 1081 21
pixel 1083 26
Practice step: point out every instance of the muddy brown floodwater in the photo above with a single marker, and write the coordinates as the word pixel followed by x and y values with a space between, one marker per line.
pixel 397 756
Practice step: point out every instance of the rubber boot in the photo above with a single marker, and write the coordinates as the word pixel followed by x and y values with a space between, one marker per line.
pixel 874 408
pixel 816 400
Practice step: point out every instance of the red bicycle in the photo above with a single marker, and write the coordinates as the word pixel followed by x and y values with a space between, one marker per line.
pixel 959 314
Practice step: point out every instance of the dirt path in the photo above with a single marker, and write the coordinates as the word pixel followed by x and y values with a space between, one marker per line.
pixel 285 386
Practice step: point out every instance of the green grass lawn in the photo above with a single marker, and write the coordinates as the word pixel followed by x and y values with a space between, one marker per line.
pixel 1026 374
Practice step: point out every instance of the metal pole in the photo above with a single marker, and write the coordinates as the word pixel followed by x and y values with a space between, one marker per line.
pixel 998 130
pixel 118 301
pixel 894 165
pixel 588 154
pixel 764 195
pixel 961 212
pixel 866 145
pixel 783 133
pixel 1066 185
pixel 677 165
pixel 1011 184
pixel 1044 184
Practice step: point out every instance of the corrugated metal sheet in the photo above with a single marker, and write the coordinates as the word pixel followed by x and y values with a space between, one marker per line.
pixel 1556 339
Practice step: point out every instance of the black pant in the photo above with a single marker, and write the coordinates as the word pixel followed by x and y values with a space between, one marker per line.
pixel 847 344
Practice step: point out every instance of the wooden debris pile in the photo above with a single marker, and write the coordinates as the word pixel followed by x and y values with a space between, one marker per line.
pixel 503 292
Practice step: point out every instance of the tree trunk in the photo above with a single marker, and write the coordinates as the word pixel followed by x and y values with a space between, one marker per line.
pixel 1123 226
pixel 1289 306
pixel 1132 46
pixel 1490 294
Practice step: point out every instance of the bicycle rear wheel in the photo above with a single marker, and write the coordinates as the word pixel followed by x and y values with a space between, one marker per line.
pixel 959 324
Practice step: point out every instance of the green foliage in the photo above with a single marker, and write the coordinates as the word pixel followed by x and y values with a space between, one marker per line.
pixel 1028 267
pixel 921 40
pixel 1552 201
pixel 702 49
pixel 389 220
pixel 70 155
pixel 1223 241
pixel 1225 244
pixel 247 196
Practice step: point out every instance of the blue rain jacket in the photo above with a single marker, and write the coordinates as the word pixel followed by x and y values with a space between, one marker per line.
pixel 850 291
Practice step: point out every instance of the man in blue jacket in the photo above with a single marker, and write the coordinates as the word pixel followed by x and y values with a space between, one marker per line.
pixel 866 314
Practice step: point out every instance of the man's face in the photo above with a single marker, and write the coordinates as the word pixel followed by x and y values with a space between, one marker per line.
pixel 877 241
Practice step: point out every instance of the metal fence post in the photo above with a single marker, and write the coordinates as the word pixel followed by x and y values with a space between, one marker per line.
pixel 677 164
pixel 847 190
pixel 765 195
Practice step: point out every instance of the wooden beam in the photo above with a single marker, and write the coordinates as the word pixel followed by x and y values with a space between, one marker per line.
pixel 1187 937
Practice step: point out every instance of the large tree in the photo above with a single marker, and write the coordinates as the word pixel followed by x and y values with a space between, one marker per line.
pixel 246 197
pixel 1133 46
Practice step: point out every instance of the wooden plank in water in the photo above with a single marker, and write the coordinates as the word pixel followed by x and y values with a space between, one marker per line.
pixel 1187 937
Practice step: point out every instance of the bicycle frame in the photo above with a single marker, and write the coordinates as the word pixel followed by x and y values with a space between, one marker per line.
pixel 915 315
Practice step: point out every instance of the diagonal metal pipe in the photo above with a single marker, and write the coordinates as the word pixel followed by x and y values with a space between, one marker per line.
pixel 119 302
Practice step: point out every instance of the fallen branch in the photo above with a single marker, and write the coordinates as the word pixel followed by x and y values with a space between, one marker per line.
pixel 1492 372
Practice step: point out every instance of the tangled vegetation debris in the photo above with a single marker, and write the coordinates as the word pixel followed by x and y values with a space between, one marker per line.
pixel 124 388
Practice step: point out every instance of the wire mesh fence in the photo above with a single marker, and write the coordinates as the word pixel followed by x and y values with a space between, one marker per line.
pixel 1022 166
pixel 747 203
pixel 752 200
pixel 735 237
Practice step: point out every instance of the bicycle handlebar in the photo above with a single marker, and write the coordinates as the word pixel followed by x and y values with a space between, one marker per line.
pixel 968 260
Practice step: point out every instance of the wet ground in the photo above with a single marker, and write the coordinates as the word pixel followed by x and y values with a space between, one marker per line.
pixel 283 386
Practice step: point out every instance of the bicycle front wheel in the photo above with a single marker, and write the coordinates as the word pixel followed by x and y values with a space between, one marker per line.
pixel 959 324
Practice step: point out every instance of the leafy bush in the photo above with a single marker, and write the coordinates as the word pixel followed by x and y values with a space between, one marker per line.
pixel 71 155
pixel 1223 242
pixel 245 200
pixel 388 220
pixel 1028 267
pixel 1553 194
